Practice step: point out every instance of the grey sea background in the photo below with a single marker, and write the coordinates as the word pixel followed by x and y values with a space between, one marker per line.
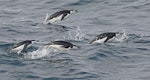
pixel 128 59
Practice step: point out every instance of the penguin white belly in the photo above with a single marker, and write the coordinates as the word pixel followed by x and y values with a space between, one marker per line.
pixel 55 19
pixel 18 49
pixel 100 40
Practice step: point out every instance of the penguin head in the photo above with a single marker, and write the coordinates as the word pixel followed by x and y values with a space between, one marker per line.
pixel 72 11
pixel 75 47
pixel 30 41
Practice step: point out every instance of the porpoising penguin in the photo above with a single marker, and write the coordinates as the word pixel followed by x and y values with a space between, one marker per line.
pixel 58 16
pixel 21 46
pixel 62 45
pixel 104 37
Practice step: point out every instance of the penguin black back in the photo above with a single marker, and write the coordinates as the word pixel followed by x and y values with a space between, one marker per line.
pixel 64 12
pixel 63 43
pixel 109 35
pixel 26 43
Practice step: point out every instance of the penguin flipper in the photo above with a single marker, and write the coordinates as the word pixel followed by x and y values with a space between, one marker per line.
pixel 63 16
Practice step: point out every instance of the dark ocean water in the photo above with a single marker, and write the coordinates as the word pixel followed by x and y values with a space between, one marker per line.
pixel 124 60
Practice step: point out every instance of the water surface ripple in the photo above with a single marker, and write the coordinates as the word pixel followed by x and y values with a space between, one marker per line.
pixel 126 60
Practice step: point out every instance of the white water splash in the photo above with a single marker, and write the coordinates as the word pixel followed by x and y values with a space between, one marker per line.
pixel 43 51
pixel 46 19
pixel 122 37
pixel 76 35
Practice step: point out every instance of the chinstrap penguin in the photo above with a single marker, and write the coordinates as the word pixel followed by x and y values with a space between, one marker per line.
pixel 104 37
pixel 62 45
pixel 21 46
pixel 58 16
